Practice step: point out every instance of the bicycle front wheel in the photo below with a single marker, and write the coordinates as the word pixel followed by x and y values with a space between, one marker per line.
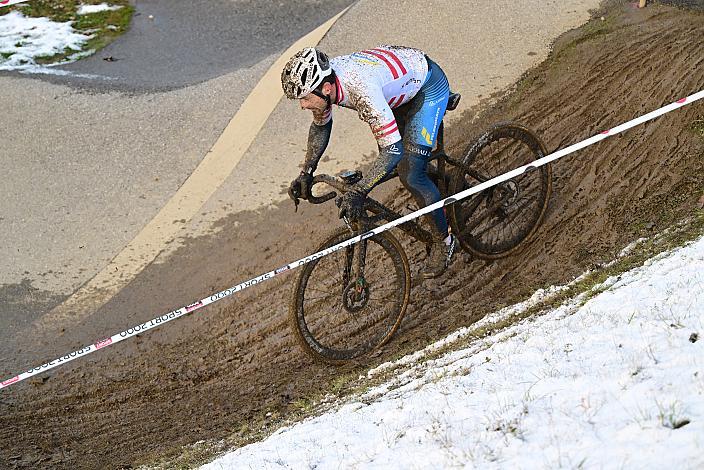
pixel 338 314
pixel 496 222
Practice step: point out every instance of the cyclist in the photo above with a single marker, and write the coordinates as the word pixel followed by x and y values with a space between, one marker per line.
pixel 402 95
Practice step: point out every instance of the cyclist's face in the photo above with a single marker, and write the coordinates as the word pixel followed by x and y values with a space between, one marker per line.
pixel 313 102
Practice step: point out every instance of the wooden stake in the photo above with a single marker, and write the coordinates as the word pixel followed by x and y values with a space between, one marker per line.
pixel 642 4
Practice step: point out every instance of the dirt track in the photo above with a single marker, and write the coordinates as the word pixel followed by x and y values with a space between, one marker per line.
pixel 206 375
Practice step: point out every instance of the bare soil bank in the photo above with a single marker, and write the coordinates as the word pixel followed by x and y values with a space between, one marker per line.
pixel 209 375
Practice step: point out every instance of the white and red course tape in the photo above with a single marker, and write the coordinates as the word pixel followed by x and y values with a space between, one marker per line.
pixel 461 195
pixel 7 3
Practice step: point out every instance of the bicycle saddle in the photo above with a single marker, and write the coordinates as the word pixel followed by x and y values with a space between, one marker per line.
pixel 453 101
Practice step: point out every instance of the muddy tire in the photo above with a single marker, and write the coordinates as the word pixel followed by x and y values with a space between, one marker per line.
pixel 496 222
pixel 332 323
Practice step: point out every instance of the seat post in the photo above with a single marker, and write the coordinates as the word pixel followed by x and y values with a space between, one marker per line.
pixel 440 142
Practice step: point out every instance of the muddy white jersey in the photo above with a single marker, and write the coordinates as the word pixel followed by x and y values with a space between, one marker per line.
pixel 374 82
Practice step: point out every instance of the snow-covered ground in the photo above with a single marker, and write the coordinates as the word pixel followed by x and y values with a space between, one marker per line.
pixel 22 39
pixel 88 9
pixel 613 382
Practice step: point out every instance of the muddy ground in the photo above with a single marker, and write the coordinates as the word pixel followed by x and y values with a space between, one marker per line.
pixel 210 374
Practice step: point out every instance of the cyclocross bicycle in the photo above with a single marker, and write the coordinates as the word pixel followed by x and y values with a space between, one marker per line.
pixel 351 302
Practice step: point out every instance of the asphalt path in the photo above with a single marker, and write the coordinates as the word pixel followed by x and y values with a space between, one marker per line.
pixel 177 43
pixel 91 156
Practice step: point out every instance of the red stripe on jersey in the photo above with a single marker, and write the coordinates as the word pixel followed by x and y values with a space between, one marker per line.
pixel 340 93
pixel 400 100
pixel 391 102
pixel 390 131
pixel 395 58
pixel 379 129
pixel 386 61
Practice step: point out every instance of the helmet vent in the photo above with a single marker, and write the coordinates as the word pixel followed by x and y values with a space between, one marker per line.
pixel 304 72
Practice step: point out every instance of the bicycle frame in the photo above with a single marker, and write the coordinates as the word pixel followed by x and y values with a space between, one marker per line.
pixel 382 212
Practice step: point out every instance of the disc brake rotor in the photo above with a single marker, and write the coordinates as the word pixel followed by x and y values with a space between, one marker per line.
pixel 356 295
pixel 509 193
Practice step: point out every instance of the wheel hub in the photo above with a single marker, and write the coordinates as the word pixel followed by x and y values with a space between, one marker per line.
pixel 508 193
pixel 356 295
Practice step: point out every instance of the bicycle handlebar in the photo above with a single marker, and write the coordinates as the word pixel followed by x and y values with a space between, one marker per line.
pixel 321 199
pixel 331 181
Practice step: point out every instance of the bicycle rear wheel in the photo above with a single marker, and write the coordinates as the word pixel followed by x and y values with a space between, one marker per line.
pixel 338 315
pixel 496 222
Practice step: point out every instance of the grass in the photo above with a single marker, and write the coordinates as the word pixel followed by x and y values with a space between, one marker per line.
pixel 698 126
pixel 596 27
pixel 671 415
pixel 104 26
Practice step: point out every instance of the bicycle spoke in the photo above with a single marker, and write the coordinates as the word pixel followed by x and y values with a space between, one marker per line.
pixel 326 297
pixel 468 208
pixel 327 293
pixel 368 324
pixel 490 211
pixel 504 222
pixel 516 213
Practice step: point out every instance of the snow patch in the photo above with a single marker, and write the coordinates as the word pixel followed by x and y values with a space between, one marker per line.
pixel 88 9
pixel 23 39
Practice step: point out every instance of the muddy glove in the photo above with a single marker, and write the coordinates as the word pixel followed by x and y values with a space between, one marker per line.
pixel 300 187
pixel 351 205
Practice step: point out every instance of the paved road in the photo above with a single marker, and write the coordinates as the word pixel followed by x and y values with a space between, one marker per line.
pixel 90 162
pixel 177 43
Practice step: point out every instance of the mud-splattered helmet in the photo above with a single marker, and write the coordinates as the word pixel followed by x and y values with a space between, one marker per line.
pixel 304 72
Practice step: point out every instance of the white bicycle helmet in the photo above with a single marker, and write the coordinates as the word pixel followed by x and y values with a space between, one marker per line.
pixel 304 72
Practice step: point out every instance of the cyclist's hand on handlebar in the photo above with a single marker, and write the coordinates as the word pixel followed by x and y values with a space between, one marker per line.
pixel 300 187
pixel 351 205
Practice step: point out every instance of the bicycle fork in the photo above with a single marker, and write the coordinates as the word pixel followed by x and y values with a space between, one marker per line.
pixel 355 289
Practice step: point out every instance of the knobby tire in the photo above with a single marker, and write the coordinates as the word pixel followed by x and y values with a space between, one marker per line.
pixel 499 220
pixel 327 330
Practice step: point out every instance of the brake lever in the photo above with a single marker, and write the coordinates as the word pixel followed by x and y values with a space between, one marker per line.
pixel 293 194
